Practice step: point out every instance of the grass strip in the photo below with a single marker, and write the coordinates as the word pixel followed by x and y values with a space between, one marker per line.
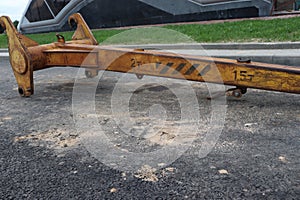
pixel 275 30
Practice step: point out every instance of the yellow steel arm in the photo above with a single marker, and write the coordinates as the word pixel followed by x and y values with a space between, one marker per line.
pixel 27 56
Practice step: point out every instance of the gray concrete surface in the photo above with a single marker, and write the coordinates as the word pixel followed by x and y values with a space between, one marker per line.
pixel 284 53
pixel 256 156
pixel 226 46
pixel 4 54
pixel 275 56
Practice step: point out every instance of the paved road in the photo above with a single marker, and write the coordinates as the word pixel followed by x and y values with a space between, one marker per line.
pixel 42 156
pixel 275 56
pixel 286 53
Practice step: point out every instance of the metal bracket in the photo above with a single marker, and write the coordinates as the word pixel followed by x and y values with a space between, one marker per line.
pixel 83 32
pixel 236 92
pixel 26 54
pixel 19 57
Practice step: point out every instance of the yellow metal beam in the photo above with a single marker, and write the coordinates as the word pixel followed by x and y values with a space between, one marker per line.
pixel 82 51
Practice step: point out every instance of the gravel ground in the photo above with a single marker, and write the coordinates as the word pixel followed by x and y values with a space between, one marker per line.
pixel 257 155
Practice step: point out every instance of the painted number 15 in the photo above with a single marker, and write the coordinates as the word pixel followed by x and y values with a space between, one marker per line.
pixel 242 76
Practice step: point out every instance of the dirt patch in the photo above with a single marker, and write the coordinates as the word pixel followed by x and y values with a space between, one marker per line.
pixel 150 174
pixel 147 173
pixel 54 139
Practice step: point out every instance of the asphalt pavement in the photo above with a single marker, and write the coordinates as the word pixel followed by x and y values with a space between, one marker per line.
pixel 43 156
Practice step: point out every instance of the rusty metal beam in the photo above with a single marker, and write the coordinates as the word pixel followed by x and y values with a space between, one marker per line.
pixel 27 56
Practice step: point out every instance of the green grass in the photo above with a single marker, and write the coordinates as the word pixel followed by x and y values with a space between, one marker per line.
pixel 45 38
pixel 240 31
pixel 3 41
pixel 244 31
